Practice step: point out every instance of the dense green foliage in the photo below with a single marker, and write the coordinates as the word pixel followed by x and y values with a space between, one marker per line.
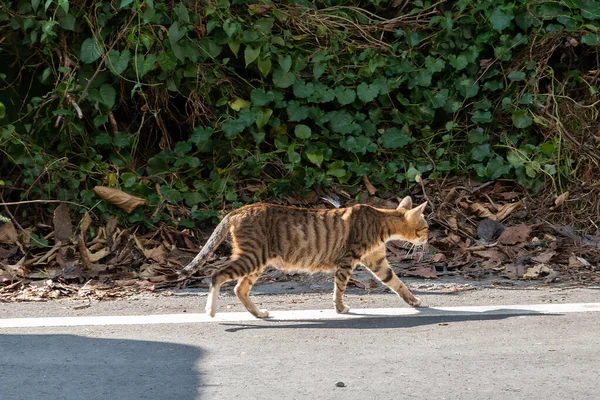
pixel 203 103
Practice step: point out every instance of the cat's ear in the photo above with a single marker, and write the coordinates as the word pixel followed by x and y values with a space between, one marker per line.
pixel 406 203
pixel 417 211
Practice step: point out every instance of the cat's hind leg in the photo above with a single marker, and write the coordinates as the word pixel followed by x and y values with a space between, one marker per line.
pixel 242 290
pixel 342 275
pixel 239 268
pixel 378 265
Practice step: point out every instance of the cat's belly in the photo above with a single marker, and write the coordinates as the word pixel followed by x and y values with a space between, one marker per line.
pixel 283 265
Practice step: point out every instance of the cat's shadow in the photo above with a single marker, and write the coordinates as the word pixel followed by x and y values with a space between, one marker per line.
pixel 387 321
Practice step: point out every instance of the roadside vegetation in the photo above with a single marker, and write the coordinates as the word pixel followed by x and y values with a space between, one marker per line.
pixel 159 115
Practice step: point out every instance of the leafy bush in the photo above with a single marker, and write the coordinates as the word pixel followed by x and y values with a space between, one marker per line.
pixel 207 103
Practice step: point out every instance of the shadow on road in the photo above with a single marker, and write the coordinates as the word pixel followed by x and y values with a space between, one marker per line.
pixel 75 367
pixel 385 321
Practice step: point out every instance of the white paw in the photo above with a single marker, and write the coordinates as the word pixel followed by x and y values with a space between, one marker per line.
pixel 262 314
pixel 210 311
pixel 344 310
pixel 416 303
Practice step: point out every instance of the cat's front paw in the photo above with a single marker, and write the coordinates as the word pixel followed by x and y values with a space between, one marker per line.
pixel 415 303
pixel 262 314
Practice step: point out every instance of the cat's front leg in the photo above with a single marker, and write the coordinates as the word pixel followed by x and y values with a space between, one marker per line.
pixel 377 263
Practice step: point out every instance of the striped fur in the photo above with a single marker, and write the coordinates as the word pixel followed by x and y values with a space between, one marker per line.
pixel 311 240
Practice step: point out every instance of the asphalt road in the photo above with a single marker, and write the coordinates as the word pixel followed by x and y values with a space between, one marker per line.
pixel 435 354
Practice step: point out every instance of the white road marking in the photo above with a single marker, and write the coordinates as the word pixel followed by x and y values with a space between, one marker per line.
pixel 300 315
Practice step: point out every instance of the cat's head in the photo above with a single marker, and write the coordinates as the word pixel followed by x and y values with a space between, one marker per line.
pixel 414 227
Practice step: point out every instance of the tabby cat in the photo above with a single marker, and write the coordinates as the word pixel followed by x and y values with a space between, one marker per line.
pixel 312 240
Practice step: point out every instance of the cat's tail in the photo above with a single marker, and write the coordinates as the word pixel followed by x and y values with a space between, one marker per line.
pixel 217 237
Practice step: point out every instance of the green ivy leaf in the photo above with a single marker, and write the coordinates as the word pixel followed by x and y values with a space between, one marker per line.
pixel 591 39
pixel 232 127
pixel 124 4
pixel 142 64
pixel 182 148
pixel 516 76
pixel 117 62
pixel 318 69
pixel 100 120
pixel 344 95
pixel 193 198
pixel 122 140
pixel 315 157
pixel 459 62
pixel 337 169
pixel 107 95
pixel 167 61
pixel 251 54
pixel 521 120
pixel 395 138
pixel 201 136
pixel 296 112
pixel 128 179
pixel 437 100
pixel 175 33
pixel 282 79
pixel 477 136
pixel 302 90
pixel 481 117
pixel 285 63
pixel 262 117
pixel 293 155
pixel 90 51
pixel 259 97
pixel 481 152
pixel 500 20
pixel 182 13
pixel 302 131
pixel 2 110
pixel 434 65
pixel 341 122
pixel 367 92
pixel 171 195
pixel 64 4
pixel 264 66
pixel 413 38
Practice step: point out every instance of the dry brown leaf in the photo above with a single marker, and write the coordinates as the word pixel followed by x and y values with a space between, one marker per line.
pixel 438 257
pixel 515 234
pixel 97 256
pixel 450 195
pixel 508 195
pixel 508 209
pixel 421 272
pixel 560 200
pixel 258 9
pixel 119 198
pixel 481 211
pixel 490 254
pixel 85 222
pixel 158 254
pixel 578 262
pixel 63 228
pixel 537 270
pixel 8 233
pixel 513 271
pixel 370 188
pixel 452 223
pixel 544 257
